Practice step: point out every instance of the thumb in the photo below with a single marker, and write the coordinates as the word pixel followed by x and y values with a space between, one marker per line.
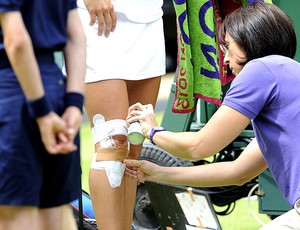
pixel 60 124
pixel 132 163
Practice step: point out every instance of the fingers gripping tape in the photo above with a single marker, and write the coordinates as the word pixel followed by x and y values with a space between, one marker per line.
pixel 103 131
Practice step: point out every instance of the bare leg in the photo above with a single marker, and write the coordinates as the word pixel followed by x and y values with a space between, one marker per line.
pixel 108 98
pixel 113 207
pixel 19 218
pixel 33 218
pixel 57 218
pixel 145 92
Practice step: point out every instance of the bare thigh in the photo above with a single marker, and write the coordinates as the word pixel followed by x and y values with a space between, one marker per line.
pixel 143 91
pixel 33 218
pixel 111 98
pixel 57 218
pixel 19 218
pixel 108 98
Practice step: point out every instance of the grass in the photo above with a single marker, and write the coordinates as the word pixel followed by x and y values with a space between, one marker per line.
pixel 87 151
pixel 239 219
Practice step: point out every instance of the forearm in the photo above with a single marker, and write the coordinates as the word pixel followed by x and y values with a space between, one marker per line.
pixel 192 145
pixel 182 144
pixel 75 54
pixel 75 68
pixel 247 166
pixel 210 175
pixel 223 127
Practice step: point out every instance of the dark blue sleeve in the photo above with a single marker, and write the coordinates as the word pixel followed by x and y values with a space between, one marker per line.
pixel 10 5
pixel 73 4
pixel 45 21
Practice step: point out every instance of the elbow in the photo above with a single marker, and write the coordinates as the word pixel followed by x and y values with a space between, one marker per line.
pixel 78 39
pixel 15 45
pixel 195 153
pixel 241 181
pixel 235 174
pixel 240 178
pixel 199 148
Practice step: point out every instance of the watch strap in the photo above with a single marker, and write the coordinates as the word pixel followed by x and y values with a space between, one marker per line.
pixel 153 131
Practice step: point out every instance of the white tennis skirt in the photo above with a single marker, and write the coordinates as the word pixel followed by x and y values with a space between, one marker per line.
pixel 134 51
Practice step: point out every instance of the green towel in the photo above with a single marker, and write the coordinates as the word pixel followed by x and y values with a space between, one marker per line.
pixel 200 70
pixel 197 68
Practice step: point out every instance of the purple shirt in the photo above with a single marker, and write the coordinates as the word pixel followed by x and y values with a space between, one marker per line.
pixel 267 90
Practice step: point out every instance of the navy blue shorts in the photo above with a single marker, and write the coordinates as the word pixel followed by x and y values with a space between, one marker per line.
pixel 29 175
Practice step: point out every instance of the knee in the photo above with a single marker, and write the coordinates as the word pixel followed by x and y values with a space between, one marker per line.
pixel 109 133
pixel 111 148
pixel 111 137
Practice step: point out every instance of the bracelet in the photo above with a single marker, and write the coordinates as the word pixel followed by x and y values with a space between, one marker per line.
pixel 39 107
pixel 74 99
pixel 153 131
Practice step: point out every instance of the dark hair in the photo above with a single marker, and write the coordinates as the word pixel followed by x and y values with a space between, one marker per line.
pixel 260 29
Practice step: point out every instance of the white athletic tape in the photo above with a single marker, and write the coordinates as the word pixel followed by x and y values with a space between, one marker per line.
pixel 103 131
pixel 114 170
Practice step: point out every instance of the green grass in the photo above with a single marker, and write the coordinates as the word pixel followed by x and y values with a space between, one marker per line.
pixel 239 219
pixel 87 151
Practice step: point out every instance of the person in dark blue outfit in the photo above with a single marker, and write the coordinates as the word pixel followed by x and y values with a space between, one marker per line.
pixel 40 113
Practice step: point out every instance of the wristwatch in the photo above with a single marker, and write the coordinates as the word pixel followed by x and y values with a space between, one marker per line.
pixel 155 130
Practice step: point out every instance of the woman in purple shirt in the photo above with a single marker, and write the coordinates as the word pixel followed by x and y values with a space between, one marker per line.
pixel 259 43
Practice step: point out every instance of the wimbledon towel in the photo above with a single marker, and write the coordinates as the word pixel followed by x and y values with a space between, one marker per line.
pixel 200 70
pixel 197 64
